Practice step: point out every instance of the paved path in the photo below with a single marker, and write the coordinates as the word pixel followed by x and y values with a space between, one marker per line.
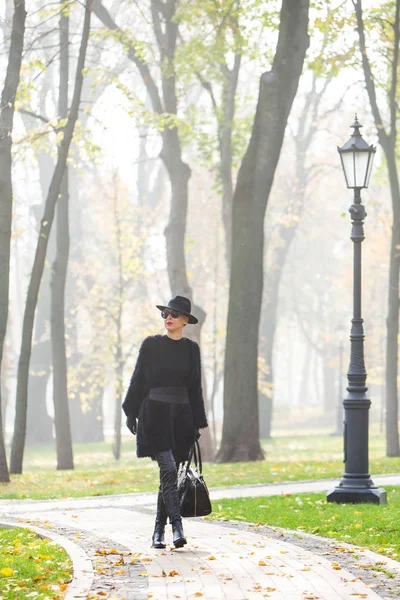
pixel 220 562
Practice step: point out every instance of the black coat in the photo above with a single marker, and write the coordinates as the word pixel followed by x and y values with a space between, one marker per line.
pixel 165 425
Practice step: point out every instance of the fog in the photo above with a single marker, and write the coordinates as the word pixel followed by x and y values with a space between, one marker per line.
pixel 119 208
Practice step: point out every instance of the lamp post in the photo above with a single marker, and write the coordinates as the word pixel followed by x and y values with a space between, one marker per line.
pixel 356 484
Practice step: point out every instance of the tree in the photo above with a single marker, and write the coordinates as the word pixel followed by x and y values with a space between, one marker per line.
pixel 214 54
pixel 39 424
pixel 18 443
pixel 127 264
pixel 388 19
pixel 6 125
pixel 298 188
pixel 59 273
pixel 86 377
pixel 165 22
pixel 240 435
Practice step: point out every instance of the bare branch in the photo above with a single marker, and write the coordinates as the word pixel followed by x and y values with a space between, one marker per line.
pixel 35 115
pixel 156 8
pixel 369 78
pixel 209 89
pixel 102 13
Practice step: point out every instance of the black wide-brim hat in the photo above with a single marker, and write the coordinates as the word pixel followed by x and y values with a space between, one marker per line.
pixel 182 305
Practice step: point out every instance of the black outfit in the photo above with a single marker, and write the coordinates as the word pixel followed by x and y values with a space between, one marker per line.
pixel 165 394
pixel 164 362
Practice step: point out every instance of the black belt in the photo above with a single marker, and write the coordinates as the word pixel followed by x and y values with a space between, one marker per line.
pixel 176 395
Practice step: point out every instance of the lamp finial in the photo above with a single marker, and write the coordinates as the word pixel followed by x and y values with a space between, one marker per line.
pixel 357 126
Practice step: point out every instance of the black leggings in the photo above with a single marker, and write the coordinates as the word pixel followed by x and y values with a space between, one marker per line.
pixel 168 490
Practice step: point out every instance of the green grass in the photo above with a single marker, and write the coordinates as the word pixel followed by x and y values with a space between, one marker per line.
pixel 32 565
pixel 366 525
pixel 288 458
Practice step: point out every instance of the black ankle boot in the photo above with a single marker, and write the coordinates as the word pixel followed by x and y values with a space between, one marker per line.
pixel 178 535
pixel 158 539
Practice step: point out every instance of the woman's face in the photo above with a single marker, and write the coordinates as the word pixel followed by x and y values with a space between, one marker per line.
pixel 174 324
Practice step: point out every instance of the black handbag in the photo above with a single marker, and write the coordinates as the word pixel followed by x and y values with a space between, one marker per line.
pixel 193 493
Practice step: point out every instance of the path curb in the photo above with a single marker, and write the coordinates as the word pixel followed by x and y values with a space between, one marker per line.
pixel 374 556
pixel 82 565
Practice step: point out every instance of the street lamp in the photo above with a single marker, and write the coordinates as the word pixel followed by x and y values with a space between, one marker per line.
pixel 356 484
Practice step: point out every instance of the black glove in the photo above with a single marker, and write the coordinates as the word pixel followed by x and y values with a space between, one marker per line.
pixel 197 433
pixel 131 424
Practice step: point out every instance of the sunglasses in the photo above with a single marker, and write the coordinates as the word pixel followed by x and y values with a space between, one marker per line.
pixel 173 313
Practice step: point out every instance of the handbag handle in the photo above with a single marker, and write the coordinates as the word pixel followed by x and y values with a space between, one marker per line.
pixel 195 454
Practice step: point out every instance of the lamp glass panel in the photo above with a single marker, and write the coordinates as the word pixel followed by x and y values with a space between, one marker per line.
pixel 371 160
pixel 361 160
pixel 348 167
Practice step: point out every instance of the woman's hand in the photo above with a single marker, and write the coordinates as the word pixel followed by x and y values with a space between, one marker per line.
pixel 131 424
pixel 197 433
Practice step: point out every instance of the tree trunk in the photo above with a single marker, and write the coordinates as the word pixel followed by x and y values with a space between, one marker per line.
pixel 39 429
pixel 86 425
pixel 269 321
pixel 229 96
pixel 6 125
pixel 388 142
pixel 392 346
pixel 59 275
pixel 39 424
pixel 18 444
pixel 143 170
pixel 7 373
pixel 240 435
pixel 119 374
pixel 60 387
pixel 119 363
pixel 303 398
pixel 329 400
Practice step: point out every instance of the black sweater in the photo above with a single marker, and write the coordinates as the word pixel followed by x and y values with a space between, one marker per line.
pixel 164 362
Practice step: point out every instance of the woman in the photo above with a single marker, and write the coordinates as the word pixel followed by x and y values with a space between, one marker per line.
pixel 166 398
